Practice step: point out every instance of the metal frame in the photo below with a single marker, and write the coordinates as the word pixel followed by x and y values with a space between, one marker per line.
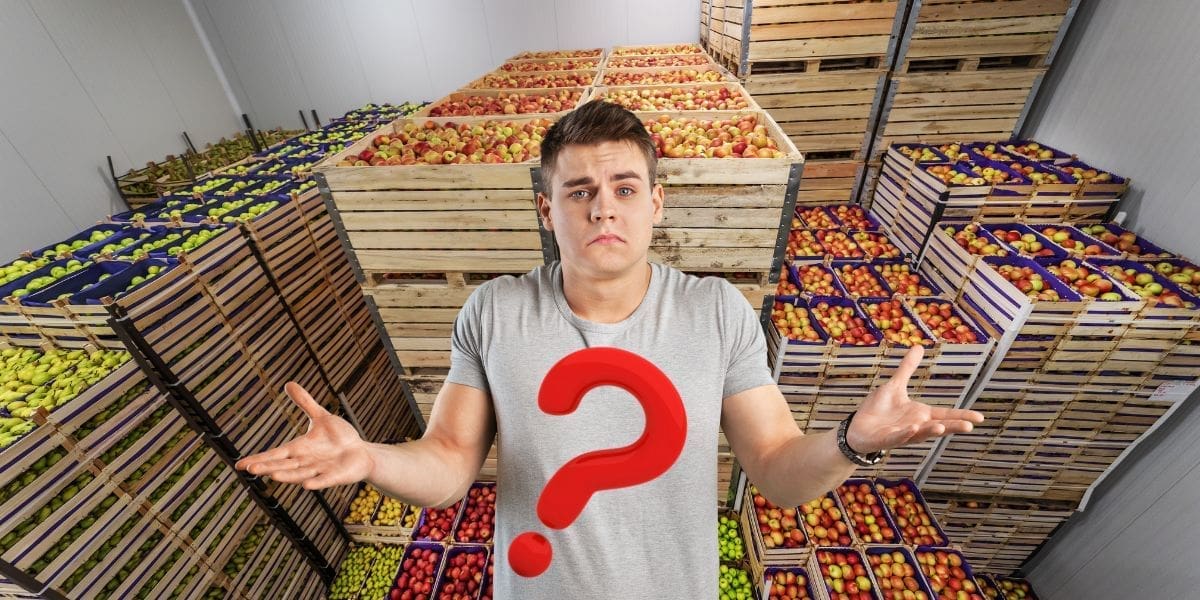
pixel 29 583
pixel 1062 32
pixel 744 59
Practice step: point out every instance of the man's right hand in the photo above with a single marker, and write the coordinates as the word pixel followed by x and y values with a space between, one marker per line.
pixel 330 453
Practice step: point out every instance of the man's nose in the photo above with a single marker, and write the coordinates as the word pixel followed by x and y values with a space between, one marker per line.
pixel 604 206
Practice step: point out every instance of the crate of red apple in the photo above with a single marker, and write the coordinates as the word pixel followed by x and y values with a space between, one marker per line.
pixel 662 76
pixel 656 50
pixel 436 524
pixel 867 512
pixel 788 583
pixel 774 535
pixel 559 54
pixel 506 80
pixel 687 97
pixel 462 573
pixel 909 511
pixel 632 61
pixel 478 521
pixel 825 522
pixel 845 574
pixel 546 103
pixel 898 574
pixel 550 64
pixel 418 573
pixel 948 573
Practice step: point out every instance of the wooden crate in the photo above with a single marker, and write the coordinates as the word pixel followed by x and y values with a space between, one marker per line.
pixel 773 32
pixel 504 80
pixel 544 54
pixel 541 65
pixel 827 114
pixel 574 96
pixel 602 92
pixel 655 50
pixel 716 29
pixel 657 60
pixel 758 555
pixel 704 26
pixel 945 107
pixel 828 181
pixel 663 76
pixel 961 35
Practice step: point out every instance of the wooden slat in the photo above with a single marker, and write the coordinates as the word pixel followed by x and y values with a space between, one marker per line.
pixel 959 82
pixel 815 127
pixel 814 48
pixel 977 99
pixel 981 27
pixel 430 177
pixel 787 31
pixel 971 126
pixel 435 200
pixel 714 238
pixel 763 14
pixel 449 260
pixel 960 10
pixel 942 113
pixel 440 240
pixel 812 82
pixel 439 220
pixel 712 259
pixel 981 46
pixel 785 116
pixel 751 218
pixel 773 102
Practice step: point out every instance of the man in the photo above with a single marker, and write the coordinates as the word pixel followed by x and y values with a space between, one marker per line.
pixel 650 540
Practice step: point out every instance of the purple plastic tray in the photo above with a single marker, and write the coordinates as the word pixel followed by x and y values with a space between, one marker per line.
pixel 887 517
pixel 1148 248
pixel 966 566
pixel 800 304
pixel 1065 293
pixel 837 270
pixel 799 572
pixel 941 158
pixel 794 275
pixel 84 235
pixel 863 302
pixel 458 510
pixel 454 551
pixel 873 223
pixel 981 337
pixel 416 545
pixel 1055 250
pixel 891 483
pixel 909 558
pixel 1119 289
pixel 820 209
pixel 877 268
pixel 835 301
pixel 1077 234
pixel 1142 267
pixel 1058 155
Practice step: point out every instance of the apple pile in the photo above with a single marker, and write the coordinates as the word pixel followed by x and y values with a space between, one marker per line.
pixel 1088 174
pixel 549 65
pixel 734 584
pixel 910 514
pixel 991 175
pixel 462 576
pixel 803 242
pixel 860 281
pixel 658 50
pixel 742 137
pixel 853 216
pixel 673 77
pixel 380 578
pixel 838 244
pixel 491 574
pixel 390 512
pixel 1126 242
pixel 843 325
pixel 988 588
pixel 970 239
pixel 20 268
pixel 787 584
pixel 949 175
pixel 941 319
pixel 945 570
pixel 786 286
pixel 1032 150
pixel 1147 286
pixel 542 54
pixel 897 576
pixel 502 81
pixel 660 60
pixel 1067 240
pixel 876 245
pixel 816 218
pixel 363 505
pixel 991 152
pixel 1028 282
pixel 678 98
pixel 1183 274
pixel 509 103
pixel 818 280
pixel 896 325
pixel 1085 280
pixel 1034 175
pixel 56 273
pixel 1016 589
pixel 920 154
pixel 952 151
pixel 729 540
pixel 491 142
pixel 845 576
pixel 867 515
pixel 824 523
pixel 437 523
pixel 901 278
pixel 417 572
pixel 1025 243
pixel 63 248
pixel 793 322
pixel 352 572
pixel 479 517
pixel 779 527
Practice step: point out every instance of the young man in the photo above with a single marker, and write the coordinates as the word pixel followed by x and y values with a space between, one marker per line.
pixel 651 540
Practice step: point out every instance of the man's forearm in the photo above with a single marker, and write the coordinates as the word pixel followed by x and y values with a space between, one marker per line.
pixel 803 468
pixel 423 472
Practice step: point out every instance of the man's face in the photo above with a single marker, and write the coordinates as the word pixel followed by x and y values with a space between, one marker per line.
pixel 602 207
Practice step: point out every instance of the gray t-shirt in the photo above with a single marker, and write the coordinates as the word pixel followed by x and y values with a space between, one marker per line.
pixel 654 540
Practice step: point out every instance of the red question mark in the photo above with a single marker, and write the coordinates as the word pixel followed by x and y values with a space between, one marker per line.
pixel 568 491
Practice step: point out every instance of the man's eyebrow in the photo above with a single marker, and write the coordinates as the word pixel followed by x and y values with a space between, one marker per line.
pixel 626 175
pixel 585 180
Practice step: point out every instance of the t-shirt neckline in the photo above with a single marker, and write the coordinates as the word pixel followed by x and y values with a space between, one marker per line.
pixel 652 292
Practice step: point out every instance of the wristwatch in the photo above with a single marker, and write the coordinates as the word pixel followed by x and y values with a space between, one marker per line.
pixel 856 458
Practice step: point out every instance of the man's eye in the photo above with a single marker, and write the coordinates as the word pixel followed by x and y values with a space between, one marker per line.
pixel 626 191
pixel 579 194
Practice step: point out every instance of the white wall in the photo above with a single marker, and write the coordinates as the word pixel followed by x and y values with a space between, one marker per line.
pixel 1123 95
pixel 283 56
pixel 82 80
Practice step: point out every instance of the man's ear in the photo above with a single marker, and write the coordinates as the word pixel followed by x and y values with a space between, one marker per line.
pixel 657 195
pixel 543 208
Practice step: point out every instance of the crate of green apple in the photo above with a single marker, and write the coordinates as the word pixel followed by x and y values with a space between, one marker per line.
pixel 734 583
pixel 730 546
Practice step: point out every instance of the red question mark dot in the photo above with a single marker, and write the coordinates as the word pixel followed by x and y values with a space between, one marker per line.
pixel 530 554
pixel 569 489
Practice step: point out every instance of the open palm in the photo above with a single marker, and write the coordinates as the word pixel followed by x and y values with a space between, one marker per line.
pixel 888 418
pixel 330 453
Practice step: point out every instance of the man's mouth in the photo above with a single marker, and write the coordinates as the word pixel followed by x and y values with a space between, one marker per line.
pixel 607 238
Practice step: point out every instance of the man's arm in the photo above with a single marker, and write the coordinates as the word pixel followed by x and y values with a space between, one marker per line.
pixel 435 470
pixel 790 468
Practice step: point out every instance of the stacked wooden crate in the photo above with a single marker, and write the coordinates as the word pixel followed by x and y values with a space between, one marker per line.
pixel 820 70
pixel 966 70
pixel 997 535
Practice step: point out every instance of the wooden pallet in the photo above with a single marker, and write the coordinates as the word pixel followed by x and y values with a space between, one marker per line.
pixel 825 113
pixel 961 35
pixel 828 181
pixel 766 33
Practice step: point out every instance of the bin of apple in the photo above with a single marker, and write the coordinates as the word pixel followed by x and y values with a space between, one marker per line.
pixel 685 137
pixel 1085 279
pixel 419 570
pixel 502 80
pixel 845 574
pixel 1088 174
pixel 379 580
pixel 945 322
pixel 430 143
pixel 818 280
pixel 1031 282
pixel 436 524
pixel 898 574
pixel 1076 242
pixel 787 583
pixel 956 175
pixel 657 50
pixel 542 54
pixel 976 240
pixel 853 217
pixel 1015 589
pixel 729 540
pixel 363 506
pixel 353 572
pixel 948 574
pixel 1180 272
pixel 803 244
pixel 875 244
pixel 1036 151
pixel 734 584
pixel 816 217
pixel 462 573
pixel 1146 282
pixel 921 153
pixel 787 283
pixel 507 103
pixel 867 514
pixel 838 243
pixel 489 576
pixel 794 321
pixel 88 237
pixel 664 77
pixel 531 66
pixel 910 513
pixel 478 519
pixel 859 280
pixel 895 322
pixel 901 278
pixel 661 60
pixel 988 588
pixel 779 527
pixel 1125 241
pixel 824 522
pixel 697 97
pixel 844 324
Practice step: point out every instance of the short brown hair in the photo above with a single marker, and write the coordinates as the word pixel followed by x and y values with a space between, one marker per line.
pixel 595 122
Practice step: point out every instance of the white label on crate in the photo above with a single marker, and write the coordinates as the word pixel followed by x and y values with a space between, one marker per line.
pixel 1174 392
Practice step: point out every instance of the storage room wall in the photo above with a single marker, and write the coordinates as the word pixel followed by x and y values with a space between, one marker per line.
pixel 1124 98
pixel 82 80
pixel 283 56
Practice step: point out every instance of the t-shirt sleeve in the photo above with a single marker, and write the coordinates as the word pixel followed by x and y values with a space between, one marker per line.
pixel 747 346
pixel 466 343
